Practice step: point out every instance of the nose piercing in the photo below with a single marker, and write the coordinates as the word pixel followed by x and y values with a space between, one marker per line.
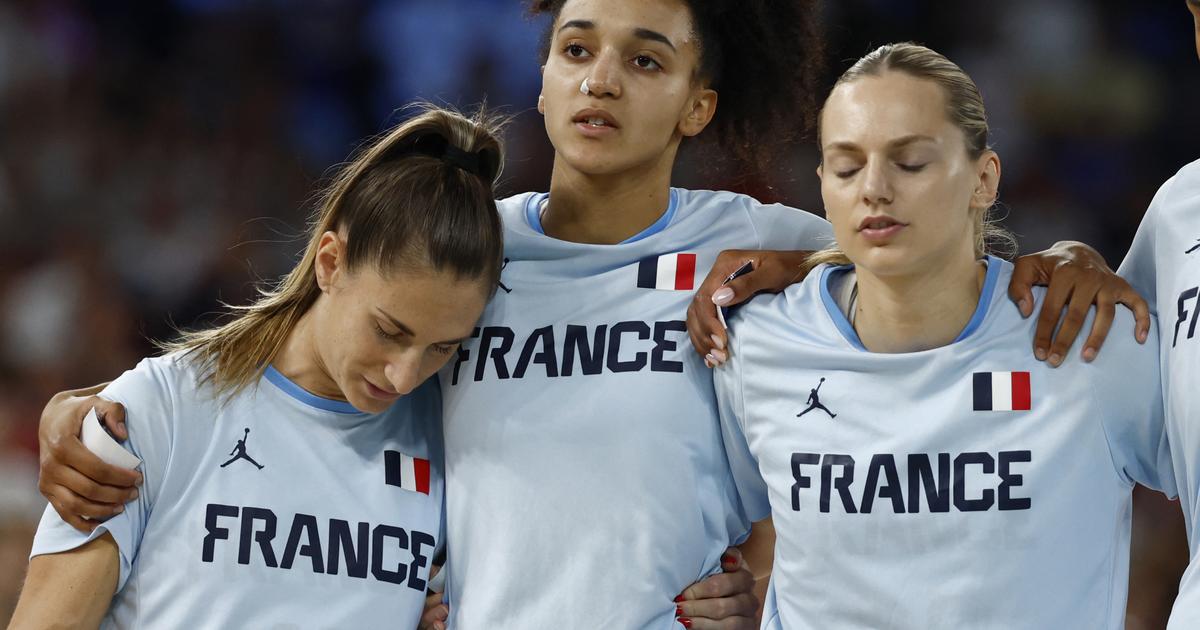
pixel 583 88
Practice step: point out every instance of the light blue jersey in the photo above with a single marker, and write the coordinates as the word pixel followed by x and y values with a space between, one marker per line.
pixel 966 486
pixel 1163 264
pixel 586 481
pixel 277 509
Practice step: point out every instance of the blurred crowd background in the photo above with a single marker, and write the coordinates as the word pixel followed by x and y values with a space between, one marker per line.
pixel 157 157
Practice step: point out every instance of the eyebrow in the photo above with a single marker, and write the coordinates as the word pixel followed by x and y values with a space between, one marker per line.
pixel 640 33
pixel 895 144
pixel 408 331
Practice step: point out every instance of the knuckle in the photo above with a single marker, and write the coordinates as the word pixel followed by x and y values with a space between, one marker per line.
pixel 69 505
pixel 88 488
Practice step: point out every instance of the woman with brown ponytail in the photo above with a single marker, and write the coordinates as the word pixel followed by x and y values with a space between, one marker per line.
pixel 291 456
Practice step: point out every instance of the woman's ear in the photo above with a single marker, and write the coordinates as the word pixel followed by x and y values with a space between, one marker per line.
pixel 987 188
pixel 330 262
pixel 699 112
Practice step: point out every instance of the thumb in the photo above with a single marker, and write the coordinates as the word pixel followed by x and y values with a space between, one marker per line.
pixel 113 416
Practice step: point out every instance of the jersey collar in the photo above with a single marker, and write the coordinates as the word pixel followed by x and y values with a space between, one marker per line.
pixel 300 394
pixel 537 201
pixel 828 274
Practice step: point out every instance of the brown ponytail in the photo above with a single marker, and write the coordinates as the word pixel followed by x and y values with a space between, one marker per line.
pixel 419 194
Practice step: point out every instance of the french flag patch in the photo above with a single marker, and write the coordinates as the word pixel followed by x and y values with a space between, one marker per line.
pixel 1001 391
pixel 406 472
pixel 669 272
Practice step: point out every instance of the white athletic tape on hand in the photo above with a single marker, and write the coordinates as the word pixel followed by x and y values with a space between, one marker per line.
pixel 98 441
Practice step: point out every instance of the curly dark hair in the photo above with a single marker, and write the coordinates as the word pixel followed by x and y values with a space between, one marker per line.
pixel 766 60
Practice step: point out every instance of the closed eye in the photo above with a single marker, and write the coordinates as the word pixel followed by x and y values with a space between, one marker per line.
pixel 385 335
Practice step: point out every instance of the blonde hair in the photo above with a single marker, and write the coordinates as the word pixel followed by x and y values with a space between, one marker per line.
pixel 419 194
pixel 964 107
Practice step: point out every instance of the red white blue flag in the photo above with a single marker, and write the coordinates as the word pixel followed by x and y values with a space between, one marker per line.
pixel 1001 391
pixel 669 272
pixel 406 472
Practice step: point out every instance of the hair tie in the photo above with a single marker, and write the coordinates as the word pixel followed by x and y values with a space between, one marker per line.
pixel 435 145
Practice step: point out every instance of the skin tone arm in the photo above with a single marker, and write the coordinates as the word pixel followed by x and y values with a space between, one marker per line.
pixel 1158 556
pixel 72 589
pixel 755 556
pixel 76 482
pixel 1077 277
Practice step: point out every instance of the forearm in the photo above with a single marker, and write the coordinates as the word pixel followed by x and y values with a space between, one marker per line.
pixel 759 553
pixel 72 589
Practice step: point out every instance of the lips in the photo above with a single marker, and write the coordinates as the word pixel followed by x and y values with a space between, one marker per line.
pixel 880 222
pixel 595 118
pixel 880 229
pixel 380 393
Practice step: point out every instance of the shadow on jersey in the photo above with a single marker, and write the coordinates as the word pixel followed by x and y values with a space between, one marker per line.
pixel 239 452
pixel 814 401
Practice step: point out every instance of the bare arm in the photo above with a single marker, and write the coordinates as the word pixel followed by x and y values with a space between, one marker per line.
pixel 759 551
pixel 72 589
pixel 1158 557
pixel 732 599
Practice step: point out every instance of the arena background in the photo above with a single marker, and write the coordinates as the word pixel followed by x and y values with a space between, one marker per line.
pixel 157 156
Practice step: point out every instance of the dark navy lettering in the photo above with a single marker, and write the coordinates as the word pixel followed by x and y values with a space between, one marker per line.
pixel 262 537
pixel 920 473
pixel 496 355
pixel 362 549
pixel 379 538
pixel 615 363
pixel 938 486
pixel 1184 298
pixel 1009 479
pixel 541 342
pixel 591 358
pixel 354 550
pixel 663 345
pixel 801 481
pixel 630 346
pixel 842 483
pixel 304 525
pixel 891 488
pixel 214 532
